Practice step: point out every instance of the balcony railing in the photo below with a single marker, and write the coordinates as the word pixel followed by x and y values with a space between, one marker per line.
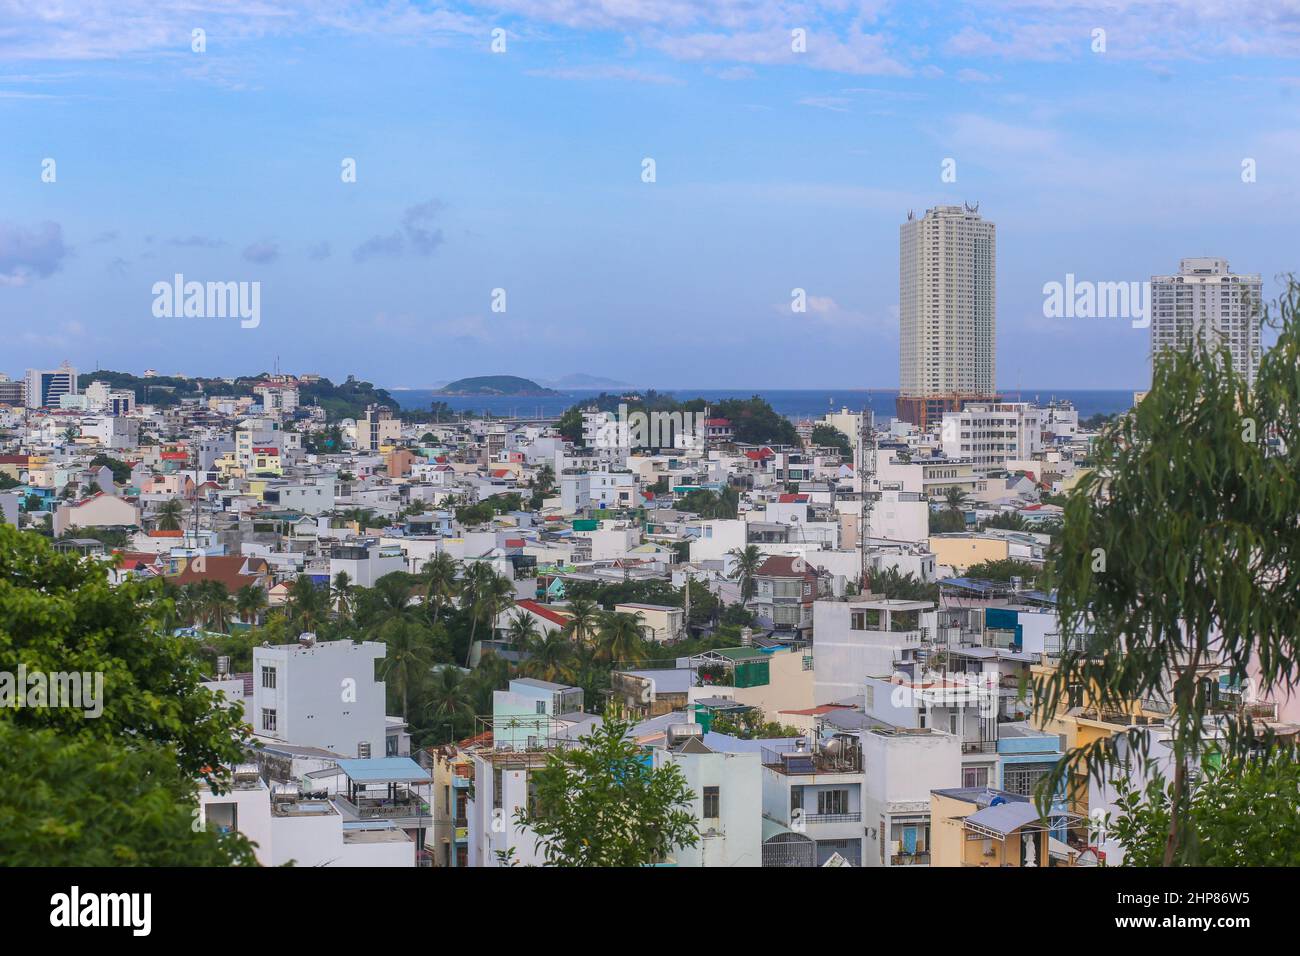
pixel 833 818
pixel 910 859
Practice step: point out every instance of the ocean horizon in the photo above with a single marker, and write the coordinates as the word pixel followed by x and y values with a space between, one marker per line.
pixel 795 403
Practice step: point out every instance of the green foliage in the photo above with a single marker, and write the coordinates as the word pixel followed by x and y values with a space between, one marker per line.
pixel 604 805
pixel 1003 570
pixel 747 562
pixel 828 436
pixel 750 725
pixel 58 613
pixel 905 587
pixel 947 521
pixel 73 801
pixel 121 470
pixel 1180 554
pixel 1239 813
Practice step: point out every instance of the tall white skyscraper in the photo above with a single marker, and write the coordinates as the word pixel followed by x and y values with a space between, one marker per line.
pixel 46 386
pixel 1205 300
pixel 947 312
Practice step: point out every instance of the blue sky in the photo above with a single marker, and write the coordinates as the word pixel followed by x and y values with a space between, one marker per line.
pixel 522 170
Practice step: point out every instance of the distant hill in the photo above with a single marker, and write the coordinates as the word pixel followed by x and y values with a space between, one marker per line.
pixel 583 380
pixel 495 385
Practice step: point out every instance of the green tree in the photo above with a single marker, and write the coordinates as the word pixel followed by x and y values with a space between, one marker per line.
pixel 449 704
pixel 955 499
pixel 250 601
pixel 1179 561
pixel 60 614
pixel 748 560
pixel 308 606
pixel 602 804
pixel 828 436
pixel 408 658
pixel 73 801
pixel 905 587
pixel 618 637
pixel 550 656
pixel 1239 813
pixel 169 515
pixel 522 630
pixel 441 586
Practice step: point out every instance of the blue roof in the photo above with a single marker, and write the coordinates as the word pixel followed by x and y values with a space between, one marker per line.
pixel 384 770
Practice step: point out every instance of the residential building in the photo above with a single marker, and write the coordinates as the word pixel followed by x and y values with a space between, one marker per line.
pixel 947 312
pixel 1206 301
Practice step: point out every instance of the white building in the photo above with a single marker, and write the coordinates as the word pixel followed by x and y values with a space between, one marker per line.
pixel 947 311
pixel 320 695
pixel 45 387
pixel 902 766
pixel 992 433
pixel 727 802
pixel 1204 300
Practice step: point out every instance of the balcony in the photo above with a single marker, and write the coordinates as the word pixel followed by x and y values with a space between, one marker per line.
pixel 833 818
pixel 910 859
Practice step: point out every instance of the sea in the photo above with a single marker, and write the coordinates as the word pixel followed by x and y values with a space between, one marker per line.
pixel 794 403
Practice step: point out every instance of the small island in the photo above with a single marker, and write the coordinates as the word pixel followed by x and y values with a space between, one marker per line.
pixel 511 385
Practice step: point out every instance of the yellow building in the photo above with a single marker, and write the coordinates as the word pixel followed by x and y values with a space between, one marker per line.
pixel 961 551
pixel 980 827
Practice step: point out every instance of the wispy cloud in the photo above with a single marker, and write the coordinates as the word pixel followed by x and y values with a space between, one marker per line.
pixel 416 234
pixel 28 253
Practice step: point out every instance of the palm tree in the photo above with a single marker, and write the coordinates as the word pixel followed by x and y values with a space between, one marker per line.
pixel 489 594
pixel 342 595
pixel 582 618
pixel 748 561
pixel 189 603
pixel 449 700
pixel 249 602
pixel 216 606
pixel 440 581
pixel 550 656
pixel 956 499
pixel 618 637
pixel 408 658
pixel 170 514
pixel 308 605
pixel 492 674
pixel 389 599
pixel 522 630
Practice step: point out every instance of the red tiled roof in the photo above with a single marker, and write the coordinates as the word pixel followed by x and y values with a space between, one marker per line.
pixel 783 566
pixel 160 533
pixel 760 455
pixel 542 611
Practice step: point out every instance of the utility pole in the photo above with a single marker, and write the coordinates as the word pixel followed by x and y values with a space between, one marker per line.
pixel 866 469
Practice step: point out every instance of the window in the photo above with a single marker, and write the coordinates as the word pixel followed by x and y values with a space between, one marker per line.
pixel 268 677
pixel 975 777
pixel 711 800
pixel 541 707
pixel 832 802
pixel 268 720
pixel 1022 779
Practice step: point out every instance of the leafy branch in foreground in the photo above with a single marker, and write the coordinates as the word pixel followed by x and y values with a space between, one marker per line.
pixel 1180 563
pixel 604 804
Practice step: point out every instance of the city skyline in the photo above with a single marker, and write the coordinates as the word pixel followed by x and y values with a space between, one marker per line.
pixel 522 171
